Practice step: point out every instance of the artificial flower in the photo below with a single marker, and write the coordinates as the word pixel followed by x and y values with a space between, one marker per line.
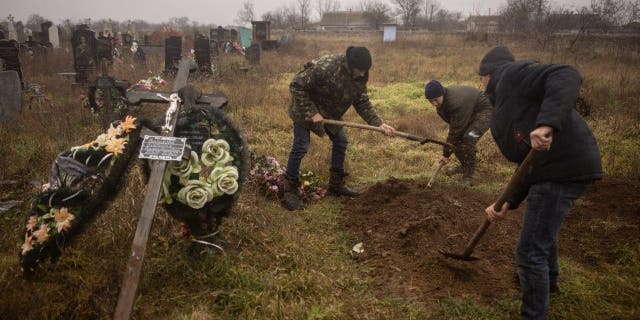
pixel 28 244
pixel 33 220
pixel 195 194
pixel 128 124
pixel 42 234
pixel 224 180
pixel 213 151
pixel 63 219
pixel 113 132
pixel 116 146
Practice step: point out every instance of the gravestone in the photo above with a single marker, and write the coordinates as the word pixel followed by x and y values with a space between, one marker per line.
pixel 104 49
pixel 203 54
pixel 19 33
pixel 10 97
pixel 84 54
pixel 11 28
pixel 54 37
pixel 261 31
pixel 43 37
pixel 127 40
pixel 1 35
pixel 220 34
pixel 138 54
pixel 9 54
pixel 233 35
pixel 253 54
pixel 172 53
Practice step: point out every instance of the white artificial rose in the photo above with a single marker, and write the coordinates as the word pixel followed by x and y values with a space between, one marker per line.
pixel 183 168
pixel 224 180
pixel 195 194
pixel 213 151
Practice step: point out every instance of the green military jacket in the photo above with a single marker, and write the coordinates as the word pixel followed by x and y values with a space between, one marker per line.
pixel 326 86
pixel 464 109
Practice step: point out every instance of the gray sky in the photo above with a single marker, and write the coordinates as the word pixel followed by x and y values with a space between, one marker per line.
pixel 221 12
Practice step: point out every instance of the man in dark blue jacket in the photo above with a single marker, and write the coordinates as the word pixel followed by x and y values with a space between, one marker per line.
pixel 534 108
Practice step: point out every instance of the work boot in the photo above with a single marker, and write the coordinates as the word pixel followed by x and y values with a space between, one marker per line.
pixel 338 187
pixel 291 200
pixel 453 170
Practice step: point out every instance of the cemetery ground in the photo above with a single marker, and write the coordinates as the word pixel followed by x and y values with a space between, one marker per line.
pixel 299 265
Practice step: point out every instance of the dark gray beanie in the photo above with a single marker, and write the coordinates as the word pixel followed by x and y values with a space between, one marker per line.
pixel 433 89
pixel 494 58
pixel 359 57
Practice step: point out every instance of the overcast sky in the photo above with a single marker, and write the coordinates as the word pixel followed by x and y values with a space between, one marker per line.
pixel 220 12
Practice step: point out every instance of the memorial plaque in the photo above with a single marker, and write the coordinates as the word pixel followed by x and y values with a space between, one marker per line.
pixel 84 54
pixel 9 54
pixel 162 148
pixel 172 53
pixel 203 54
pixel 196 136
pixel 10 97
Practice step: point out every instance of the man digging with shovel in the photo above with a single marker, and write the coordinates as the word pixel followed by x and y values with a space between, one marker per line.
pixel 468 113
pixel 326 88
pixel 534 108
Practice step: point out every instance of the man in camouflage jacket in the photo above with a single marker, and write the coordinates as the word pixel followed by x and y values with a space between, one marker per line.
pixel 326 88
pixel 468 112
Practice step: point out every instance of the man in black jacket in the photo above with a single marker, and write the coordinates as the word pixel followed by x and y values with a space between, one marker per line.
pixel 468 113
pixel 533 107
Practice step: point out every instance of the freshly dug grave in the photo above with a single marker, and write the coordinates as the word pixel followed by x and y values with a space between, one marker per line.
pixel 402 224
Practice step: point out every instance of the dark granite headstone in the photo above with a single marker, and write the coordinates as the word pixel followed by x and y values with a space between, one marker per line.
pixel 104 49
pixel 196 136
pixel 10 97
pixel 172 53
pixel 84 54
pixel 44 34
pixel 220 34
pixel 127 40
pixel 253 54
pixel 261 31
pixel 233 35
pixel 203 54
pixel 9 54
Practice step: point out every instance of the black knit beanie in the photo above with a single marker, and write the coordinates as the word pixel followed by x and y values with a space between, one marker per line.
pixel 494 58
pixel 359 57
pixel 433 89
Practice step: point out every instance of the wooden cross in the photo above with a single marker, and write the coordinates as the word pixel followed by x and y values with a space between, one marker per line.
pixel 132 274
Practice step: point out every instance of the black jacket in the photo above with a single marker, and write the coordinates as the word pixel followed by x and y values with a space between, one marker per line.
pixel 525 95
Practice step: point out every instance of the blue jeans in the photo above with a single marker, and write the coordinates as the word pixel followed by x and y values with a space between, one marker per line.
pixel 301 141
pixel 548 203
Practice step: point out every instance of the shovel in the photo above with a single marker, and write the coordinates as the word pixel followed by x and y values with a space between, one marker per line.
pixel 515 179
pixel 435 173
pixel 397 133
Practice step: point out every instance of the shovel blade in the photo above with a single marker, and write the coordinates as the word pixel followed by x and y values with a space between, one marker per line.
pixel 458 256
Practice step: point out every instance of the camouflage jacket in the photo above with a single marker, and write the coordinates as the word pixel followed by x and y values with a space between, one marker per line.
pixel 326 86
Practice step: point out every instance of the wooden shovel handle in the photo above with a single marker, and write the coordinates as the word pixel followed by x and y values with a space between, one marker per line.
pixel 508 190
pixel 372 128
pixel 435 173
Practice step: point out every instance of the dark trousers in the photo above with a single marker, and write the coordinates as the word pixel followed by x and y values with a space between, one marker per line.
pixel 301 141
pixel 548 203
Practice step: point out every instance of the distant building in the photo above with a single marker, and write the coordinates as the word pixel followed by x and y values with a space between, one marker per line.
pixel 575 22
pixel 345 20
pixel 485 24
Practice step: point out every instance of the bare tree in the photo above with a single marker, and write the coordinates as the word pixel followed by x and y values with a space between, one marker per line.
pixel 409 10
pixel 430 6
pixel 323 6
pixel 633 11
pixel 35 20
pixel 245 14
pixel 611 11
pixel 304 8
pixel 375 11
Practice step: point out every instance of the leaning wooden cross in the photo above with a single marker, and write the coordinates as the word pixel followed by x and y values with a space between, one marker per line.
pixel 131 277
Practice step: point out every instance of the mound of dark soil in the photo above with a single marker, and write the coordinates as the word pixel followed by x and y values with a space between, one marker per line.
pixel 402 224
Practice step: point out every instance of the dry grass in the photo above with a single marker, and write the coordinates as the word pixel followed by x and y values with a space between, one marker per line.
pixel 279 265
